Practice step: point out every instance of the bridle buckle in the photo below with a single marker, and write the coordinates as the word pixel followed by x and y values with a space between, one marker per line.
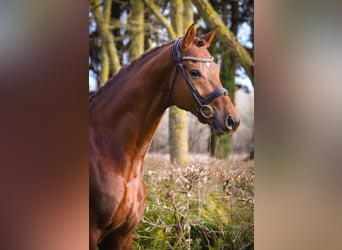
pixel 206 111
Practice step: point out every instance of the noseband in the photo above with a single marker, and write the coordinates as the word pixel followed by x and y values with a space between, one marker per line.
pixel 204 111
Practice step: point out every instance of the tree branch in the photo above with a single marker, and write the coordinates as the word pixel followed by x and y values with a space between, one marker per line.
pixel 226 36
pixel 107 38
pixel 154 8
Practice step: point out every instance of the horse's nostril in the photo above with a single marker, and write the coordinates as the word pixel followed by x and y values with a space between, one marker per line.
pixel 230 122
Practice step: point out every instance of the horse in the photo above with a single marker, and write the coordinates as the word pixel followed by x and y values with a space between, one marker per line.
pixel 123 117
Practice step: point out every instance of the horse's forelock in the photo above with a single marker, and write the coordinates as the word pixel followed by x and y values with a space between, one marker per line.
pixel 199 42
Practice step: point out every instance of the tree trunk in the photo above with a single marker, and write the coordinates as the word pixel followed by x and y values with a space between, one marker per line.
pixel 178 129
pixel 136 26
pixel 221 145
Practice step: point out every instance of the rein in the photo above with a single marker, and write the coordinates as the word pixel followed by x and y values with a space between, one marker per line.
pixel 204 110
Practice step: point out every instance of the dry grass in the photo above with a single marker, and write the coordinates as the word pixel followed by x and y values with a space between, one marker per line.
pixel 206 204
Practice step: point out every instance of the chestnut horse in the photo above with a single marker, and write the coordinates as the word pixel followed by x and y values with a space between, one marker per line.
pixel 123 117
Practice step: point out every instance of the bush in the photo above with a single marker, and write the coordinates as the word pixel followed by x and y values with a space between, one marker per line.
pixel 204 205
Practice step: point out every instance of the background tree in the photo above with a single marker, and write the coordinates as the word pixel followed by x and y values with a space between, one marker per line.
pixel 227 37
pixel 110 62
pixel 220 146
pixel 182 17
pixel 136 27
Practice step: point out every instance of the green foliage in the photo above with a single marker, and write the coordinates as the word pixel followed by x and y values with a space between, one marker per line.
pixel 197 207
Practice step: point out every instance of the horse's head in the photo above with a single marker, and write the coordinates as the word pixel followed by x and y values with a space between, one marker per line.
pixel 197 87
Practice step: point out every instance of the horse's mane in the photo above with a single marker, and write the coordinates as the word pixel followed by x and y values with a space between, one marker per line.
pixel 124 68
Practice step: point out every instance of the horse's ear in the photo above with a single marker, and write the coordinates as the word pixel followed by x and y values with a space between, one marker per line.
pixel 190 35
pixel 209 37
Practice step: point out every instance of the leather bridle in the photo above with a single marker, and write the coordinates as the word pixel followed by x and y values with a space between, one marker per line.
pixel 204 111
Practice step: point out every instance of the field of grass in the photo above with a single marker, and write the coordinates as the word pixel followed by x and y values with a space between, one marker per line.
pixel 207 204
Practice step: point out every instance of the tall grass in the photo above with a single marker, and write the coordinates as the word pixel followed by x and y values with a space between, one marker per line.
pixel 203 205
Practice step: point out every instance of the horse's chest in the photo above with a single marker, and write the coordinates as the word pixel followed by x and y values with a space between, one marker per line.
pixel 132 206
pixel 117 204
pixel 136 197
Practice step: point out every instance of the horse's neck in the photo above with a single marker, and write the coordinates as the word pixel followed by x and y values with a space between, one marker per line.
pixel 130 111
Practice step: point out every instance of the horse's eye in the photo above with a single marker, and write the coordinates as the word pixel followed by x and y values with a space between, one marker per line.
pixel 195 73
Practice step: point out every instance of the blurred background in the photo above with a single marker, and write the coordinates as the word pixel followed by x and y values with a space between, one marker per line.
pixel 44 71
